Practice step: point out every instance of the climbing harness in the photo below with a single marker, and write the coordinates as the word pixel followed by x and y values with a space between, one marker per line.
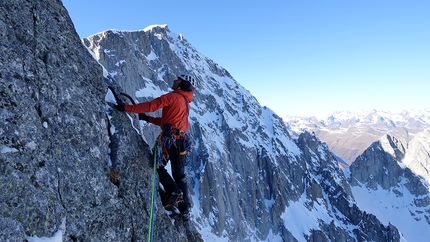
pixel 169 136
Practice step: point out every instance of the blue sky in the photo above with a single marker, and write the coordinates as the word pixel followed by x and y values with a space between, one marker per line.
pixel 296 57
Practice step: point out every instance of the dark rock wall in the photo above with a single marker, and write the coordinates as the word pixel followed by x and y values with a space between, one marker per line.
pixel 54 141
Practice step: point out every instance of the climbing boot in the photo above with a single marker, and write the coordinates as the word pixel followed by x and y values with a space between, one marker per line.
pixel 185 216
pixel 174 198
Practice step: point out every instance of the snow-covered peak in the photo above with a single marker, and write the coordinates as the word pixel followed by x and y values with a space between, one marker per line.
pixel 417 157
pixel 151 27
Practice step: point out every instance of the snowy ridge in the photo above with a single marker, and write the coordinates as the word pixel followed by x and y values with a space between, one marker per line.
pixel 417 155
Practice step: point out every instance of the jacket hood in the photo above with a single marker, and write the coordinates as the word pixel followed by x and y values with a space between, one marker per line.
pixel 187 95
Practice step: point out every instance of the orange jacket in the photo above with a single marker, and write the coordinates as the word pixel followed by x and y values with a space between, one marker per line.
pixel 174 109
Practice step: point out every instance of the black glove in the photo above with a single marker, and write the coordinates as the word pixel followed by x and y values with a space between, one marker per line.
pixel 143 116
pixel 120 107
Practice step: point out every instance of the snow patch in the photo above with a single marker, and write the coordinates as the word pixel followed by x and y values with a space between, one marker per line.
pixel 5 149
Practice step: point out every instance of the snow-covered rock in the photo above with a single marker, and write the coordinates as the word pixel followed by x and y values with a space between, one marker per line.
pixel 388 180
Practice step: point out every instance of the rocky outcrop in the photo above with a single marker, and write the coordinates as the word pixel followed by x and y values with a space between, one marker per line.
pixel 56 152
pixel 382 164
pixel 328 181
pixel 384 184
pixel 378 165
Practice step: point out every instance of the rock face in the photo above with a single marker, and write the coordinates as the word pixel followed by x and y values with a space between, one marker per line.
pixel 378 164
pixel 55 141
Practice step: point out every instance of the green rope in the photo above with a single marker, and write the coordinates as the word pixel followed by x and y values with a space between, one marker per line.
pixel 151 217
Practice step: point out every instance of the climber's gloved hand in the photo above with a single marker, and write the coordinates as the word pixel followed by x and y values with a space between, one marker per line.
pixel 143 116
pixel 119 106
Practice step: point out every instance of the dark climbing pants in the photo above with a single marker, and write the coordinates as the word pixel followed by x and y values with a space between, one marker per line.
pixel 179 180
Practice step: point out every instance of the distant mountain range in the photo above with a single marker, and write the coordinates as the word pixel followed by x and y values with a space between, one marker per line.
pixel 349 133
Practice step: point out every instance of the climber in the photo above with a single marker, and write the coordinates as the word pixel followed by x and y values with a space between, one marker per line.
pixel 174 124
